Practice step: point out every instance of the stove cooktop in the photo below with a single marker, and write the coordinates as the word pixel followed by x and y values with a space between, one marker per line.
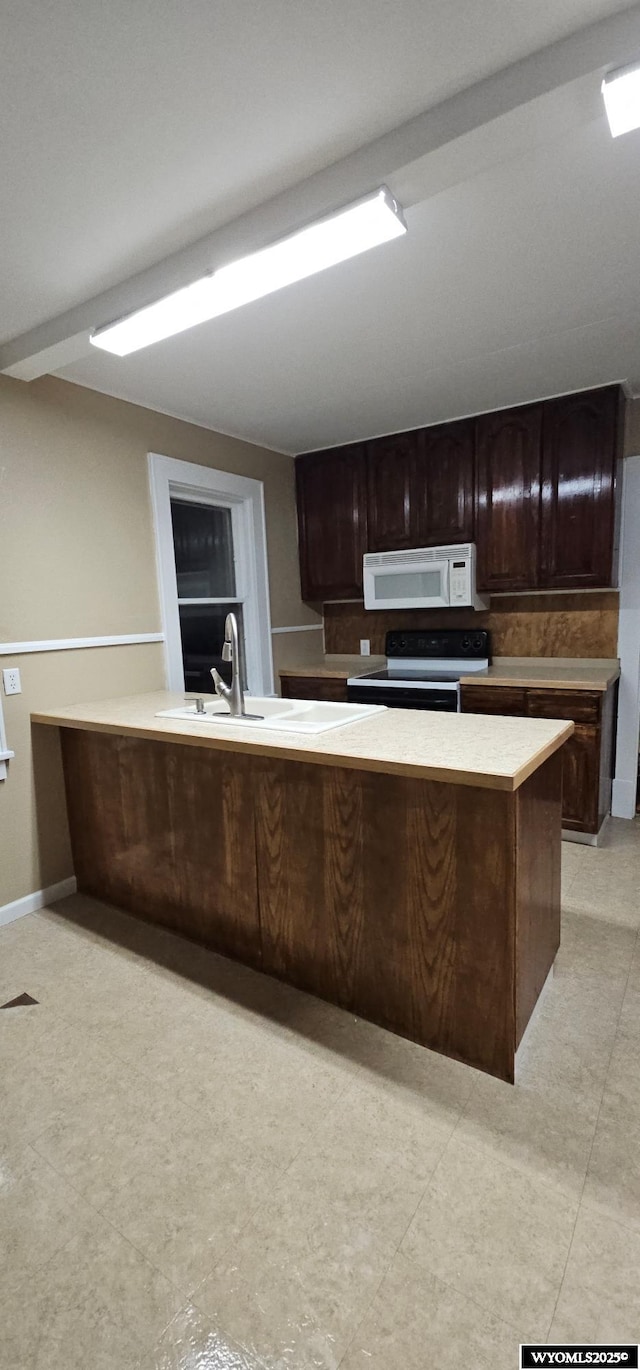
pixel 411 676
pixel 430 657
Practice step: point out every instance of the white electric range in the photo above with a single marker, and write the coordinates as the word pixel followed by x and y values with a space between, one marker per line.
pixel 423 669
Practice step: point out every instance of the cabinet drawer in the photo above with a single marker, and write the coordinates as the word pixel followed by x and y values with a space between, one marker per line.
pixel 580 706
pixel 313 687
pixel 493 699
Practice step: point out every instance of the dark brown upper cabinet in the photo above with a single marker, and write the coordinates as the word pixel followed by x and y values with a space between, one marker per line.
pixel 541 506
pixel 421 487
pixel 331 490
pixel 579 458
pixel 444 484
pixel 508 457
pixel 393 501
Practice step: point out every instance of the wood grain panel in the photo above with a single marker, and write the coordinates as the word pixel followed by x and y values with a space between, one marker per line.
pixel 309 854
pixel 580 449
pixel 507 499
pixel 485 932
pixel 538 829
pixel 444 479
pixel 420 905
pixel 587 756
pixel 331 492
pixel 580 706
pixel 565 625
pixel 393 898
pixel 313 687
pixel 392 493
pixel 493 699
pixel 166 832
pixel 581 780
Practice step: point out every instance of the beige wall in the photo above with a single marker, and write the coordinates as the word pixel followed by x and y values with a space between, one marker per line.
pixel 77 559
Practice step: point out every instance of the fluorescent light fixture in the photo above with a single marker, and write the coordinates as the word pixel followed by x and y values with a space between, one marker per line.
pixel 375 219
pixel 621 94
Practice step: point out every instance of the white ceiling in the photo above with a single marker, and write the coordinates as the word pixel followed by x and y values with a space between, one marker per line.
pixel 130 130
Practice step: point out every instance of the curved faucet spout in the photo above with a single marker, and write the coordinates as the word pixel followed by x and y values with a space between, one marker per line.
pixel 232 652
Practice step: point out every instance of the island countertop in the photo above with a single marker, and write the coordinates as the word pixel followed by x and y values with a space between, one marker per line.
pixel 466 749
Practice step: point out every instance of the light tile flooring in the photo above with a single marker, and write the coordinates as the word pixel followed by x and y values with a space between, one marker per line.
pixel 203 1168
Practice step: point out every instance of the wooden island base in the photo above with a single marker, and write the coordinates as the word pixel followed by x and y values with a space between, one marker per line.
pixel 432 909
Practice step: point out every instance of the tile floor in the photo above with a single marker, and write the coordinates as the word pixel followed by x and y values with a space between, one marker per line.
pixel 200 1168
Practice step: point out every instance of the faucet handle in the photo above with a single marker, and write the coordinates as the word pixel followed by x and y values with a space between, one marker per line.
pixel 218 683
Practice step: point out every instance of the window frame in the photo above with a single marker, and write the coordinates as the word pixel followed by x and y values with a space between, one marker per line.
pixel 169 478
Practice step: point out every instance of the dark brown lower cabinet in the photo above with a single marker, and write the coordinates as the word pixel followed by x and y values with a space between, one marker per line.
pixel 313 687
pixel 580 756
pixel 420 905
pixel 587 757
pixel 161 830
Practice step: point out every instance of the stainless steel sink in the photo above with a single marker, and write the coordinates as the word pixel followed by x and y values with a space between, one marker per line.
pixel 282 715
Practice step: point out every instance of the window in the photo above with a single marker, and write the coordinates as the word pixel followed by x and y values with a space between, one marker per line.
pixel 206 580
pixel 211 553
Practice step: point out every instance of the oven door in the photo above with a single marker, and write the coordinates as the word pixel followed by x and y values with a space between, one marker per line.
pixel 428 695
pixel 406 585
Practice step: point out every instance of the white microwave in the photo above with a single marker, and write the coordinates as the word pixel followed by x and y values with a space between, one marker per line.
pixel 423 578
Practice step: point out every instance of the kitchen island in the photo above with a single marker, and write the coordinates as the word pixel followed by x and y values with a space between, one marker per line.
pixel 405 867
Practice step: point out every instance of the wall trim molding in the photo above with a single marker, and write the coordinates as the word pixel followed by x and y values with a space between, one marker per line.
pixel 30 903
pixel 73 644
pixel 244 497
pixel 300 628
pixel 623 801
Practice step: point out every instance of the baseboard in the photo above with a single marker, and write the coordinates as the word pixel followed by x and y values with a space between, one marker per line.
pixel 30 903
pixel 623 800
pixel 586 839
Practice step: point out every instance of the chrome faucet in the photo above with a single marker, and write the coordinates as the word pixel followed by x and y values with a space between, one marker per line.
pixel 231 651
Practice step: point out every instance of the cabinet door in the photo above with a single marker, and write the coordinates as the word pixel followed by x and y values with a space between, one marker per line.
pixel 508 498
pixel 578 488
pixel 313 687
pixel 580 779
pixel 332 522
pixel 391 477
pixel 444 484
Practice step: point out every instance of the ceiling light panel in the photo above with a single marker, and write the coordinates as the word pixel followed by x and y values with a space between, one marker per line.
pixel 373 220
pixel 621 94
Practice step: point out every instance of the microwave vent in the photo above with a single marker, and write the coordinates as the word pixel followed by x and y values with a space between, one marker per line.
pixel 420 554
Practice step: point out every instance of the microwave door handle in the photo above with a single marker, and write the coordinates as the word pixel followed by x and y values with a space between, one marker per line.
pixel 445 582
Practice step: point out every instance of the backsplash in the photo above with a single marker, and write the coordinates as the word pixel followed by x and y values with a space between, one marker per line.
pixel 563 625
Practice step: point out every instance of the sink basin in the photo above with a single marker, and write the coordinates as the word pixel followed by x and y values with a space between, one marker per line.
pixel 283 715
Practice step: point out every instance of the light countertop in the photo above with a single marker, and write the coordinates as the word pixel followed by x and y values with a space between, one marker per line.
pixel 466 749
pixel 336 667
pixel 560 673
pixel 568 673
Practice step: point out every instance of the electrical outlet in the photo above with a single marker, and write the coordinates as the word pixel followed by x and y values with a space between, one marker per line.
pixel 365 646
pixel 11 681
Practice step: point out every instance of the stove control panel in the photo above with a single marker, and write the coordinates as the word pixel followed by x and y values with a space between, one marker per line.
pixel 464 644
